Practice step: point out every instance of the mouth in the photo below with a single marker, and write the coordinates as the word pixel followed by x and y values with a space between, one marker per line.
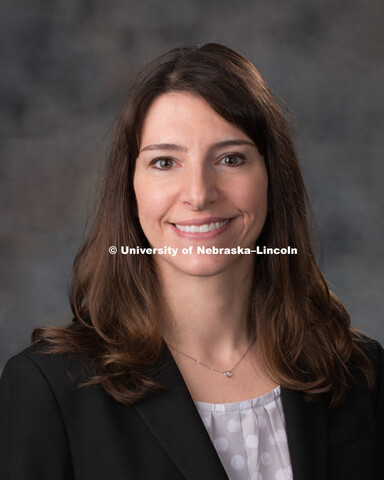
pixel 204 228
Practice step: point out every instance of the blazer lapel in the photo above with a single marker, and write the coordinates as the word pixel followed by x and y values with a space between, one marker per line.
pixel 307 432
pixel 174 420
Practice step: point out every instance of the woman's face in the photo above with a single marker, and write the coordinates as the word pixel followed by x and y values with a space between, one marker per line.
pixel 199 181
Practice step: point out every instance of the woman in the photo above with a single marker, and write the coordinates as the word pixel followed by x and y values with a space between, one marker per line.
pixel 191 354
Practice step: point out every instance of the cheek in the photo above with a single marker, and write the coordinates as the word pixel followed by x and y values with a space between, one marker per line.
pixel 252 199
pixel 153 202
pixel 143 200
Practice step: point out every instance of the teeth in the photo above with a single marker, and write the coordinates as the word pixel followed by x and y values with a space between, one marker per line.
pixel 208 227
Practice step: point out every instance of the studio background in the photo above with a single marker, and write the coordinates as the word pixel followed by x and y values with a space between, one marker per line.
pixel 65 67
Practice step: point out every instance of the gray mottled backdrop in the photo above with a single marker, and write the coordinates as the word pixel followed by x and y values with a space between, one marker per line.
pixel 64 69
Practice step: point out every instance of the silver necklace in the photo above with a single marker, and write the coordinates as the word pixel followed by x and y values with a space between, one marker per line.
pixel 226 373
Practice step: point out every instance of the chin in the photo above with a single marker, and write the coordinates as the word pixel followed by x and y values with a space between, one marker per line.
pixel 203 265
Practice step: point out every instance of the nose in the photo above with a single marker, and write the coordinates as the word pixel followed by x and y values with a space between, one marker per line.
pixel 199 187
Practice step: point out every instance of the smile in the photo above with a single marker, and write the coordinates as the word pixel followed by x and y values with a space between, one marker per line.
pixel 208 227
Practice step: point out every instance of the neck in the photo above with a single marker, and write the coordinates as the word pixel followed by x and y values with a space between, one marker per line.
pixel 207 315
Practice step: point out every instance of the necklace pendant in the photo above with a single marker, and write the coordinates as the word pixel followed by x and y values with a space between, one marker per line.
pixel 228 373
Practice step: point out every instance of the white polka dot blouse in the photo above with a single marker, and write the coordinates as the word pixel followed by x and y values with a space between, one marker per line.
pixel 250 437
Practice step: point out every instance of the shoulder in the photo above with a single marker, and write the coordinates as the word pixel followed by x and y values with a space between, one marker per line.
pixel 375 353
pixel 372 347
pixel 362 401
pixel 36 387
pixel 31 418
pixel 36 359
pixel 356 427
pixel 34 374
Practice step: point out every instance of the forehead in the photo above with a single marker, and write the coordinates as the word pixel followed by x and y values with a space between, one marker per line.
pixel 182 116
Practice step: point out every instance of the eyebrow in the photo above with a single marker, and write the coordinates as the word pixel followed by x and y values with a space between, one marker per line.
pixel 214 146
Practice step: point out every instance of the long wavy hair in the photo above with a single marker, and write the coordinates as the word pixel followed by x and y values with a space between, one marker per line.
pixel 302 330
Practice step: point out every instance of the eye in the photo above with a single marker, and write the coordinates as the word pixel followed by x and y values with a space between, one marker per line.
pixel 163 163
pixel 232 159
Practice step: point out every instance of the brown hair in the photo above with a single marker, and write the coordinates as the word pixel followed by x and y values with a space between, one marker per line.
pixel 301 328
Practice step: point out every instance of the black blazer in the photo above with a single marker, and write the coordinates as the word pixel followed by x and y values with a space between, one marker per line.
pixel 52 430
